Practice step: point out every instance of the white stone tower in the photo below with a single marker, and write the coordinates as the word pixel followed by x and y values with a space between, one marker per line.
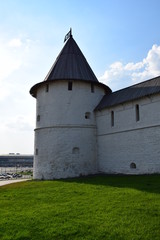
pixel 65 134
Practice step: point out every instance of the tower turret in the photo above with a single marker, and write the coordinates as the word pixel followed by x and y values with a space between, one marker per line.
pixel 65 134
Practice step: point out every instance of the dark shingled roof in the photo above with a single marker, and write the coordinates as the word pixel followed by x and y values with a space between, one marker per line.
pixel 70 65
pixel 134 92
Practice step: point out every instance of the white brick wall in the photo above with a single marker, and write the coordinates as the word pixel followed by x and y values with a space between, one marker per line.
pixel 63 127
pixel 56 157
pixel 68 145
pixel 130 141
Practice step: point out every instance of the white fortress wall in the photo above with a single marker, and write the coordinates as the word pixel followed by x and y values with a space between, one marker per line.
pixel 71 152
pixel 130 143
pixel 62 106
pixel 65 134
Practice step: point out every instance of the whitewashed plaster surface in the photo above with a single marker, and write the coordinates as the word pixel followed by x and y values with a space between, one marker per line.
pixel 68 145
pixel 130 141
pixel 65 141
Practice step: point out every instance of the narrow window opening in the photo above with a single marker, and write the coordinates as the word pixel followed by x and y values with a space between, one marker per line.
pixel 75 150
pixel 69 86
pixel 87 115
pixel 36 151
pixel 132 165
pixel 112 118
pixel 38 118
pixel 137 113
pixel 92 87
pixel 47 87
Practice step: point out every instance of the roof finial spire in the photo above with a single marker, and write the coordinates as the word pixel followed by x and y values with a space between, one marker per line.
pixel 70 32
pixel 68 35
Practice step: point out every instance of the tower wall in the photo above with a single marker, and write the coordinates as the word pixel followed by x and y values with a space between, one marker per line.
pixel 65 134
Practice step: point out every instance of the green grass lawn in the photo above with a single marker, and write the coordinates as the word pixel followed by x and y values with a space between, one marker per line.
pixel 99 207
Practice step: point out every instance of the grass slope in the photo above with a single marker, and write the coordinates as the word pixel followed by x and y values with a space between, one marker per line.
pixel 99 207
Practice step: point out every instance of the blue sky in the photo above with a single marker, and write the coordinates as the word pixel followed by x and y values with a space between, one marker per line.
pixel 119 38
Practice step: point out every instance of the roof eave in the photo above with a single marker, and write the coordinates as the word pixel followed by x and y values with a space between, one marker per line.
pixel 33 90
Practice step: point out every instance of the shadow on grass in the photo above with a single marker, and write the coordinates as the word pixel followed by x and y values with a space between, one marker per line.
pixel 147 183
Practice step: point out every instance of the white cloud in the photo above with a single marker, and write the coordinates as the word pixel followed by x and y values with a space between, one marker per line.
pixel 17 133
pixel 20 123
pixel 8 61
pixel 17 107
pixel 120 75
pixel 15 42
pixel 13 55
pixel 21 66
pixel 3 93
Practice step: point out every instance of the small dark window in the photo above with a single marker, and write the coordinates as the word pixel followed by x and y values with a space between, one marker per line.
pixel 92 87
pixel 38 118
pixel 87 115
pixel 75 150
pixel 132 165
pixel 137 113
pixel 36 151
pixel 70 86
pixel 47 87
pixel 112 118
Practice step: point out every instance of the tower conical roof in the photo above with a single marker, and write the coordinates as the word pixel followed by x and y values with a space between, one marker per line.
pixel 71 65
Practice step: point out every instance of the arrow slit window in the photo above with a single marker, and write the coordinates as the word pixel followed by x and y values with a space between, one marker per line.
pixel 69 86
pixel 112 118
pixel 47 87
pixel 87 115
pixel 137 113
pixel 92 87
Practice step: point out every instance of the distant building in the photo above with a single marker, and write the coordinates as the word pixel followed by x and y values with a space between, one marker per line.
pixel 82 127
pixel 16 160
